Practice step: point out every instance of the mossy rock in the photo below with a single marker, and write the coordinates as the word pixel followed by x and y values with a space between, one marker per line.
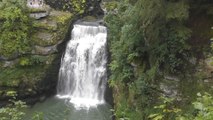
pixel 33 74
pixel 28 74
pixel 13 77
pixel 52 29
pixel 60 17
pixel 43 38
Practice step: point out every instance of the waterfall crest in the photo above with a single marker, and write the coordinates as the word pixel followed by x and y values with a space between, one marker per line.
pixel 83 73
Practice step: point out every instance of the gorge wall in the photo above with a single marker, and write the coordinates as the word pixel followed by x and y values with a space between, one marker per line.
pixel 35 72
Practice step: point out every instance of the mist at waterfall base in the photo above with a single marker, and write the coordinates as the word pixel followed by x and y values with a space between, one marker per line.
pixel 82 79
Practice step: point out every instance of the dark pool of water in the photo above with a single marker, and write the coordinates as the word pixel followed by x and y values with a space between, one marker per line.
pixel 60 109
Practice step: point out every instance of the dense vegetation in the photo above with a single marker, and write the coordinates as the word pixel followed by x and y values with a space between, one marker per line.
pixel 15 110
pixel 15 28
pixel 148 39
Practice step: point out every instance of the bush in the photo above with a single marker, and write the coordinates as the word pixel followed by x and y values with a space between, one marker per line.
pixel 15 29
pixel 13 111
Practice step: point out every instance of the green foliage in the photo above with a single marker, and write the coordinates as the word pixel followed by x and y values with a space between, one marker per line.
pixel 203 109
pixel 14 32
pixel 177 10
pixel 63 18
pixel 11 93
pixel 110 6
pixel 13 3
pixel 38 116
pixel 165 111
pixel 204 105
pixel 33 60
pixel 24 62
pixel 26 76
pixel 142 32
pixel 79 5
pixel 145 36
pixel 125 111
pixel 14 110
pixel 178 49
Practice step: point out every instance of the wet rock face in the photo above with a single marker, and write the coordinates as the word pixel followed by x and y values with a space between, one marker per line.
pixel 92 6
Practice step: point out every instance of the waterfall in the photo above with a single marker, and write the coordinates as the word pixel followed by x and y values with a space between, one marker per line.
pixel 83 73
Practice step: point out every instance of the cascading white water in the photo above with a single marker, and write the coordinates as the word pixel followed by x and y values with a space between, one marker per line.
pixel 83 73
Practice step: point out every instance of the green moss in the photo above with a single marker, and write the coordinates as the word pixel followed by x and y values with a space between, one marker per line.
pixel 14 36
pixel 78 6
pixel 44 38
pixel 13 77
pixel 61 17
pixel 34 60
pixel 52 29
pixel 30 71
pixel 24 61
pixel 111 5
pixel 43 25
